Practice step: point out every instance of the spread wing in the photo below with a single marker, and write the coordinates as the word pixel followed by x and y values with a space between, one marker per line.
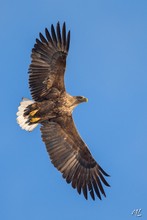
pixel 70 155
pixel 48 62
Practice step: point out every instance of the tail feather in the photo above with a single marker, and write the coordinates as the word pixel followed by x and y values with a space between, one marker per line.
pixel 23 120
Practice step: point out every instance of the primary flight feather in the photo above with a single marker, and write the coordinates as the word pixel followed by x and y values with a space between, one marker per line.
pixel 52 107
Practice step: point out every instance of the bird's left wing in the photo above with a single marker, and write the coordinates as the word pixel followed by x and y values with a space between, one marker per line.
pixel 70 155
pixel 46 71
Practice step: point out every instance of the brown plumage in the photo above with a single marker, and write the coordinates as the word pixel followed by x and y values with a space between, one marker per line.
pixel 52 107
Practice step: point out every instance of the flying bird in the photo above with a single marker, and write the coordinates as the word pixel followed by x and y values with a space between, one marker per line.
pixel 52 107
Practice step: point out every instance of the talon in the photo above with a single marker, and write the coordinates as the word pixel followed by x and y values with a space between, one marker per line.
pixel 32 113
pixel 34 120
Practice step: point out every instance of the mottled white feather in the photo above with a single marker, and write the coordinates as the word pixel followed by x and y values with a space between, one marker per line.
pixel 21 120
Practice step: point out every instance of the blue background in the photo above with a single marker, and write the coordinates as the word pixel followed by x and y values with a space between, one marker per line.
pixel 107 63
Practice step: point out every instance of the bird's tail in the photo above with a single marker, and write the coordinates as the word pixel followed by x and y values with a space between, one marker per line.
pixel 22 118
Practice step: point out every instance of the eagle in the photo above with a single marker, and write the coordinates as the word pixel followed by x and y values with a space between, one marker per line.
pixel 51 107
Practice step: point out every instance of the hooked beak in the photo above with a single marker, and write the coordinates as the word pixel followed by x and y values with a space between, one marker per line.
pixel 85 99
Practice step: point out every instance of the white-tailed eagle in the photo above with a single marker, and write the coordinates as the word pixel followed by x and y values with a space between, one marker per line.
pixel 52 107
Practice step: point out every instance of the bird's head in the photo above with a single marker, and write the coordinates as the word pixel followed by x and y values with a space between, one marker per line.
pixel 80 99
pixel 77 100
pixel 73 101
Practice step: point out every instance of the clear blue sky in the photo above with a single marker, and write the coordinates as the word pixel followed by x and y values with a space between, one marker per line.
pixel 107 63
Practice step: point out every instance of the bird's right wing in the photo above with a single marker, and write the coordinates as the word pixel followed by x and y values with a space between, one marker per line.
pixel 48 63
pixel 70 155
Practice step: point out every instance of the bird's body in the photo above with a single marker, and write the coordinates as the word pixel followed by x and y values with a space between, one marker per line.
pixel 52 107
pixel 61 106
